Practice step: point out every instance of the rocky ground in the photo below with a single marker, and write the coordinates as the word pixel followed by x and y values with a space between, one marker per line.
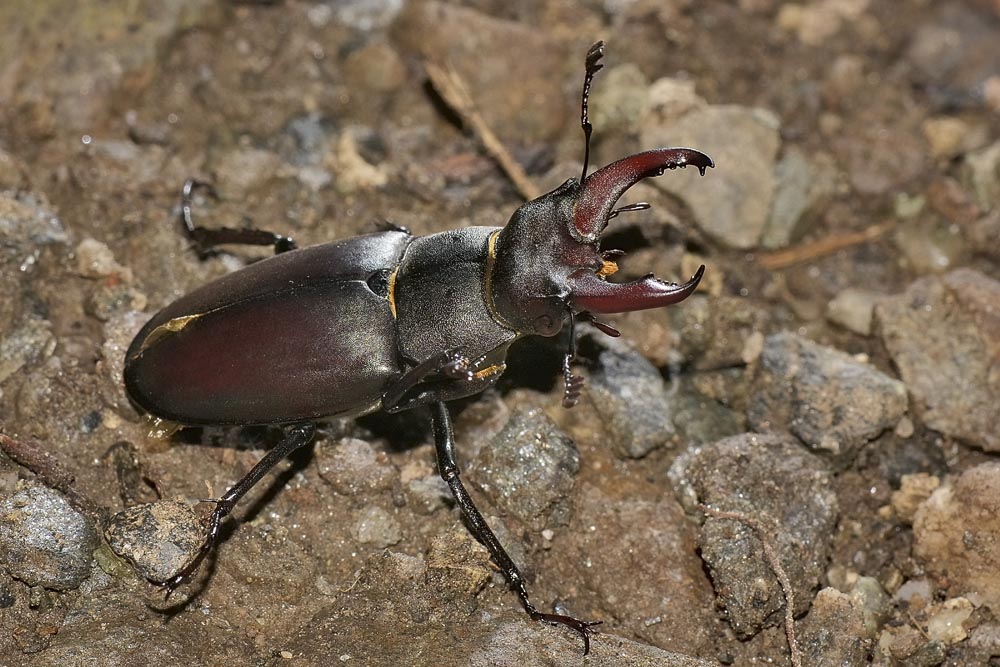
pixel 824 407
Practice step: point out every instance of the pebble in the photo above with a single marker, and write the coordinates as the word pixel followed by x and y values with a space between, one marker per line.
pixel 622 99
pixel 611 529
pixel 775 480
pixel 956 531
pixel 981 172
pixel 44 540
pixel 929 245
pixel 377 527
pixel 853 309
pixel 158 539
pixel 801 184
pixel 732 205
pixel 829 400
pixel 28 343
pixel 913 490
pixel 354 468
pixel 943 334
pixel 834 633
pixel 629 394
pixel 516 96
pixel 529 470
pixel 946 619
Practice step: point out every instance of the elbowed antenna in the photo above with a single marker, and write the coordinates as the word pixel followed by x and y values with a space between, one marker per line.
pixel 601 190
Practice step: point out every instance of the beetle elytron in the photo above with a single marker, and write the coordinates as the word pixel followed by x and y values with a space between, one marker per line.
pixel 389 321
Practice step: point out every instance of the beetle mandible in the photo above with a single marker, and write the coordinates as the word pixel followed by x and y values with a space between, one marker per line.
pixel 389 321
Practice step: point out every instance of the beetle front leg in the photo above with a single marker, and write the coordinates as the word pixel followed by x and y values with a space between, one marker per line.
pixel 444 443
pixel 205 239
pixel 297 436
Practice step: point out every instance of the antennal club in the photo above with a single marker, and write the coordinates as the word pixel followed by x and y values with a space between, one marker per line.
pixel 593 66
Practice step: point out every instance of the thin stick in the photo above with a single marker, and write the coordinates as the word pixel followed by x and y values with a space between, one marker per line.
pixel 46 467
pixel 828 245
pixel 453 91
pixel 772 559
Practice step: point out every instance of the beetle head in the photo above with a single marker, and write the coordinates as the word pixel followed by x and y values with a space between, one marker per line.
pixel 548 262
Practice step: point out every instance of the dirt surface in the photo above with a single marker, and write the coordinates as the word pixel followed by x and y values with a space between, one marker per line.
pixel 835 381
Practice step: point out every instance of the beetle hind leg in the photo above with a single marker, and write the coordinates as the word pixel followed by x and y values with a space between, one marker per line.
pixel 297 437
pixel 444 442
pixel 205 239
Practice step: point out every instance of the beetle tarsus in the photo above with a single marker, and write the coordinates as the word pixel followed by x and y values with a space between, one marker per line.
pixel 584 628
pixel 297 436
pixel 444 444
pixel 205 239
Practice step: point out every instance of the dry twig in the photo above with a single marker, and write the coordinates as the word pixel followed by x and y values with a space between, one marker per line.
pixel 49 470
pixel 453 91
pixel 827 245
pixel 772 559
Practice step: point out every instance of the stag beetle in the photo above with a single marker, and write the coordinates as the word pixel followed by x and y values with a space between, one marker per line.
pixel 389 321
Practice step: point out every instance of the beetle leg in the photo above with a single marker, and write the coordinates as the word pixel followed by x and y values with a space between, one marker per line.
pixel 297 436
pixel 205 239
pixel 572 384
pixel 444 443
pixel 450 363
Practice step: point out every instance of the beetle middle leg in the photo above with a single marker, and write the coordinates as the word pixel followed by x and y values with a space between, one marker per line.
pixel 444 443
pixel 205 239
pixel 296 437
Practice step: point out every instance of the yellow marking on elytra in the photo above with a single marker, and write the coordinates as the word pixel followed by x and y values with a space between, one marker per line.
pixel 161 429
pixel 607 269
pixel 490 370
pixel 169 327
pixel 392 292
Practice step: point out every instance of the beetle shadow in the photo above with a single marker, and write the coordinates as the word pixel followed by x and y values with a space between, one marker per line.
pixel 244 437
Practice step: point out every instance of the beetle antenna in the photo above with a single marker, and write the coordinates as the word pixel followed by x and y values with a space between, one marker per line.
pixel 594 65
pixel 572 384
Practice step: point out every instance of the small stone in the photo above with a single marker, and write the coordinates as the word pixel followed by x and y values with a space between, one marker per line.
pixel 943 334
pixel 946 136
pixel 30 342
pixel 377 527
pixel 732 205
pixel 713 333
pixel 982 174
pixel 946 619
pixel 853 309
pixel 458 566
pixel 427 495
pixel 27 220
pixel 834 633
pixel 529 470
pixel 669 99
pixel 801 185
pixel 622 99
pixel 826 398
pixel 629 394
pixel 45 541
pixel 913 491
pixel 905 428
pixel 353 171
pixel 159 539
pixel 353 468
pixel 778 482
pixel 930 245
pixel 956 532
